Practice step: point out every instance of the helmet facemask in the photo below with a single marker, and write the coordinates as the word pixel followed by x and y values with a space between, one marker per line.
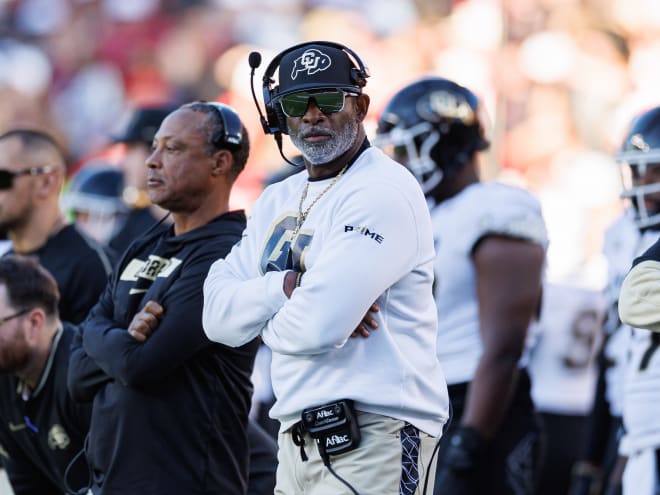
pixel 412 147
pixel 640 174
pixel 434 127
pixel 94 199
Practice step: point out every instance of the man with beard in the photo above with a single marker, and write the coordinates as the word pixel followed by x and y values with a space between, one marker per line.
pixel 319 249
pixel 41 427
pixel 32 171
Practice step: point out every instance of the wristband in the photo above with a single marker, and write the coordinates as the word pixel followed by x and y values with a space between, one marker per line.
pixel 298 279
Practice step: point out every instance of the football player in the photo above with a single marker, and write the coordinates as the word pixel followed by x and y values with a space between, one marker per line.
pixel 564 372
pixel 94 200
pixel 598 469
pixel 641 389
pixel 491 242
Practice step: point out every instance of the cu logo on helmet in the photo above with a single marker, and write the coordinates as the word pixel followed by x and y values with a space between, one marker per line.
pixel 443 104
pixel 311 62
pixel 637 140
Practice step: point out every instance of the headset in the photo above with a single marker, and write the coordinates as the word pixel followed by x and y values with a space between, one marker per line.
pixel 232 128
pixel 275 121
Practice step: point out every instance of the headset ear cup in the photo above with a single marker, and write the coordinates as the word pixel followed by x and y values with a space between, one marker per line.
pixel 281 119
pixel 358 77
pixel 273 120
pixel 232 127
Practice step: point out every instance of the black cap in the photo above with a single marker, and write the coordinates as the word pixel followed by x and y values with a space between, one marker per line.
pixel 315 67
pixel 142 125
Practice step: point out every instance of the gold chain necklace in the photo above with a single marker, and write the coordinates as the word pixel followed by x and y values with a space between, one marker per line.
pixel 302 215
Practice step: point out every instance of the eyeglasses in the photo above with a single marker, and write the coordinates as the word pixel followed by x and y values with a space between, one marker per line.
pixel 328 101
pixel 15 315
pixel 7 176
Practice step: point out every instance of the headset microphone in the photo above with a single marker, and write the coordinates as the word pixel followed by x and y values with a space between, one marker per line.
pixel 254 59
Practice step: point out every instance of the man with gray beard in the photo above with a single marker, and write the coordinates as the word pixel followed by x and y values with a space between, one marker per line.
pixel 343 249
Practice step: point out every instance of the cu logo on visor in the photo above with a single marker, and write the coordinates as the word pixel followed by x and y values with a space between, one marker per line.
pixel 311 62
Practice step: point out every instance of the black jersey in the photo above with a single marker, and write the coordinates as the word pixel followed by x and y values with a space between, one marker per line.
pixel 80 266
pixel 170 414
pixel 41 433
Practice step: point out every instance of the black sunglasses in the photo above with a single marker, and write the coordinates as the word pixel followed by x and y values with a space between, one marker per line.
pixel 328 100
pixel 7 176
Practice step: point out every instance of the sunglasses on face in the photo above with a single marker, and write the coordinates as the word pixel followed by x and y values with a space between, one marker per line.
pixel 7 176
pixel 328 101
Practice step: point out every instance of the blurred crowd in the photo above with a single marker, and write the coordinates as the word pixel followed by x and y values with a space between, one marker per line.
pixel 560 80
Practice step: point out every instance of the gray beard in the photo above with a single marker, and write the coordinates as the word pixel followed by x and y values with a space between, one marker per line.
pixel 326 151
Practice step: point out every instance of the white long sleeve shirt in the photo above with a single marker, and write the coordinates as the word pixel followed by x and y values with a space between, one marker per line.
pixel 367 239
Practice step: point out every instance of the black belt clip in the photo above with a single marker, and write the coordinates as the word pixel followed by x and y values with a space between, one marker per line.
pixel 297 434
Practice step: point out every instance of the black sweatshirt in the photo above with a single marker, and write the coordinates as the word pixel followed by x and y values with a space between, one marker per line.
pixel 170 414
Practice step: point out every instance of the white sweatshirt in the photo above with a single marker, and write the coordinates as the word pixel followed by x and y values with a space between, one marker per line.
pixel 367 239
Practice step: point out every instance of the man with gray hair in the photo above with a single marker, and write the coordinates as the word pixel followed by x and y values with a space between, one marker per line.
pixel 319 249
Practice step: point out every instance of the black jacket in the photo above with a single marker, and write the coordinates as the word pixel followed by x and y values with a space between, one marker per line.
pixel 170 414
pixel 41 435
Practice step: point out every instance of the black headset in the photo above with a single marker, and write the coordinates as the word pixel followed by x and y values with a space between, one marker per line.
pixel 275 121
pixel 232 128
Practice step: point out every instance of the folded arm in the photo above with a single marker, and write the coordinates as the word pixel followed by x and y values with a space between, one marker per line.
pixel 372 243
pixel 84 376
pixel 177 337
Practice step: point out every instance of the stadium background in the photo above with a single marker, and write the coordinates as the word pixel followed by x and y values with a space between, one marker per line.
pixel 560 80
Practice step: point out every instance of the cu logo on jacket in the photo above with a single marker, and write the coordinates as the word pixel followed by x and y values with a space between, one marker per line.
pixel 311 62
pixel 58 438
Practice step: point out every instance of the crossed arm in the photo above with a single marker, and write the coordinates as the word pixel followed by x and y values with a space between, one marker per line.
pixel 159 337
